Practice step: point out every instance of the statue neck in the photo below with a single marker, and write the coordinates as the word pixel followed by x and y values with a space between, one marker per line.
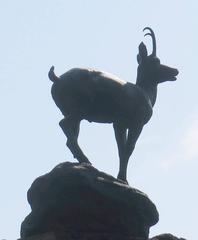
pixel 149 89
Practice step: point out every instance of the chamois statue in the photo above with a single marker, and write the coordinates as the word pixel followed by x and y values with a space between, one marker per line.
pixel 104 98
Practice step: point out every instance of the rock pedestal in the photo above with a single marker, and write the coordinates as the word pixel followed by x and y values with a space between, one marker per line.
pixel 76 201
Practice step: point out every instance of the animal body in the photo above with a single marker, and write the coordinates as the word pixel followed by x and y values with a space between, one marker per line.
pixel 100 97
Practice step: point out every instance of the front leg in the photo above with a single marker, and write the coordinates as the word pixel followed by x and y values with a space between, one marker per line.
pixel 133 134
pixel 120 135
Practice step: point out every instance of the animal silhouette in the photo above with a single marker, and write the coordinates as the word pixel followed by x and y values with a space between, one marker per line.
pixel 104 98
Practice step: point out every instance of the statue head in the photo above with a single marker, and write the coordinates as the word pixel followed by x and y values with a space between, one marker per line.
pixel 150 69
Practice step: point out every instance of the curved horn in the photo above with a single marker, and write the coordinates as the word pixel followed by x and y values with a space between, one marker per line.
pixel 153 39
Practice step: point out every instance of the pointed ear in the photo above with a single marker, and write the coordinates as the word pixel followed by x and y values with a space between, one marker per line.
pixel 142 52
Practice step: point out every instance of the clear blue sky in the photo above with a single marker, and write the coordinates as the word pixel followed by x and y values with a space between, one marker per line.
pixel 102 34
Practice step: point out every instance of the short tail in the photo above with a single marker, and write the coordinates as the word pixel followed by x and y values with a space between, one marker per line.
pixel 52 76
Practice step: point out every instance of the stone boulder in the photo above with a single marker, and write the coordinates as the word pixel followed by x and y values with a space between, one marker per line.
pixel 166 236
pixel 78 199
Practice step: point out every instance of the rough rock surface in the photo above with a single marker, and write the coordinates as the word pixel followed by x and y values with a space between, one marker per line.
pixel 85 236
pixel 166 236
pixel 77 198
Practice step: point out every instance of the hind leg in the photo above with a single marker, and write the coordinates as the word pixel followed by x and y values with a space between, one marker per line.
pixel 71 127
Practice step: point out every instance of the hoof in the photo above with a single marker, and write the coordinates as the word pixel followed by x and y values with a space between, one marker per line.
pixel 123 181
pixel 84 160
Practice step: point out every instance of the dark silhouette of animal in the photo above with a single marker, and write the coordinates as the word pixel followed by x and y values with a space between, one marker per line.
pixel 100 97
